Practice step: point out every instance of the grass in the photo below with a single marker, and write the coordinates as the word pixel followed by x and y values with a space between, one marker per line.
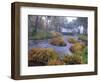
pixel 42 55
pixel 48 56
pixel 40 36
pixel 82 37
pixel 43 35
pixel 58 41
pixel 55 34
pixel 80 50
pixel 77 47
pixel 72 40
pixel 73 59
pixel 85 55
pixel 55 62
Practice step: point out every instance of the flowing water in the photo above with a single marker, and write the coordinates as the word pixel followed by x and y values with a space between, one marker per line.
pixel 61 50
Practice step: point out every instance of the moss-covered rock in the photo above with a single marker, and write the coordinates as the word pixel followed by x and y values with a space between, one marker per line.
pixel 58 41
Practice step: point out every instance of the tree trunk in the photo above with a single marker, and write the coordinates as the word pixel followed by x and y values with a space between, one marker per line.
pixel 36 24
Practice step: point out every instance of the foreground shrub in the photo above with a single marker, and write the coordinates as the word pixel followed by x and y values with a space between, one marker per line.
pixel 55 62
pixel 42 55
pixel 73 59
pixel 72 40
pixel 57 41
pixel 77 47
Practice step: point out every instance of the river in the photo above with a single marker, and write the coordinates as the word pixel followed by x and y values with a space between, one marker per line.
pixel 61 50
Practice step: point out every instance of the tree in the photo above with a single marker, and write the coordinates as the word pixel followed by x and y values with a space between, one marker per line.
pixel 82 21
